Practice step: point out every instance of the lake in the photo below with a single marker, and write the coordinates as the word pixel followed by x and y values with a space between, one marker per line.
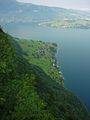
pixel 73 53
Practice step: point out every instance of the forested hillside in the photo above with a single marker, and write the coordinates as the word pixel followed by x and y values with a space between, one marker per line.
pixel 27 92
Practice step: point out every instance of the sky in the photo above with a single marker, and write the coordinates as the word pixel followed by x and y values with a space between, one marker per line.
pixel 70 4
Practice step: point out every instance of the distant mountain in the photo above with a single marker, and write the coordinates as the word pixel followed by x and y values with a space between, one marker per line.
pixel 12 11
pixel 7 5
pixel 7 1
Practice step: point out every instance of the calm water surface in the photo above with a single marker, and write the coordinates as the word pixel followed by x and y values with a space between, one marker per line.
pixel 73 53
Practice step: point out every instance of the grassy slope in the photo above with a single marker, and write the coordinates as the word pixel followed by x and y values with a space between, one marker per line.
pixel 28 93
pixel 43 55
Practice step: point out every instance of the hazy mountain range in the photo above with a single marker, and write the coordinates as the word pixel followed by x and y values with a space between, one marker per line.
pixel 12 11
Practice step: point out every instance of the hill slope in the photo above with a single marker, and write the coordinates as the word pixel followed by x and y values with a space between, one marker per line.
pixel 28 93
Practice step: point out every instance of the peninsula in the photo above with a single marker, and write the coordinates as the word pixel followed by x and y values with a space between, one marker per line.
pixel 77 23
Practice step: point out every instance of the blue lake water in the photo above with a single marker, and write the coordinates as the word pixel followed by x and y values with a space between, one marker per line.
pixel 73 53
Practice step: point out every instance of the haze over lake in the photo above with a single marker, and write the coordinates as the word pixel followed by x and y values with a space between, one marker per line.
pixel 73 53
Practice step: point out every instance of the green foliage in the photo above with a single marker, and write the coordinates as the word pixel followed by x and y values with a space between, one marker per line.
pixel 7 57
pixel 27 92
pixel 29 105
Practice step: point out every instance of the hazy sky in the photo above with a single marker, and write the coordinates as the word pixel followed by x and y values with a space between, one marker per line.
pixel 75 4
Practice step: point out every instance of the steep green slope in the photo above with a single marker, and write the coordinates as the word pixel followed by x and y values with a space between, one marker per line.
pixel 43 55
pixel 27 92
